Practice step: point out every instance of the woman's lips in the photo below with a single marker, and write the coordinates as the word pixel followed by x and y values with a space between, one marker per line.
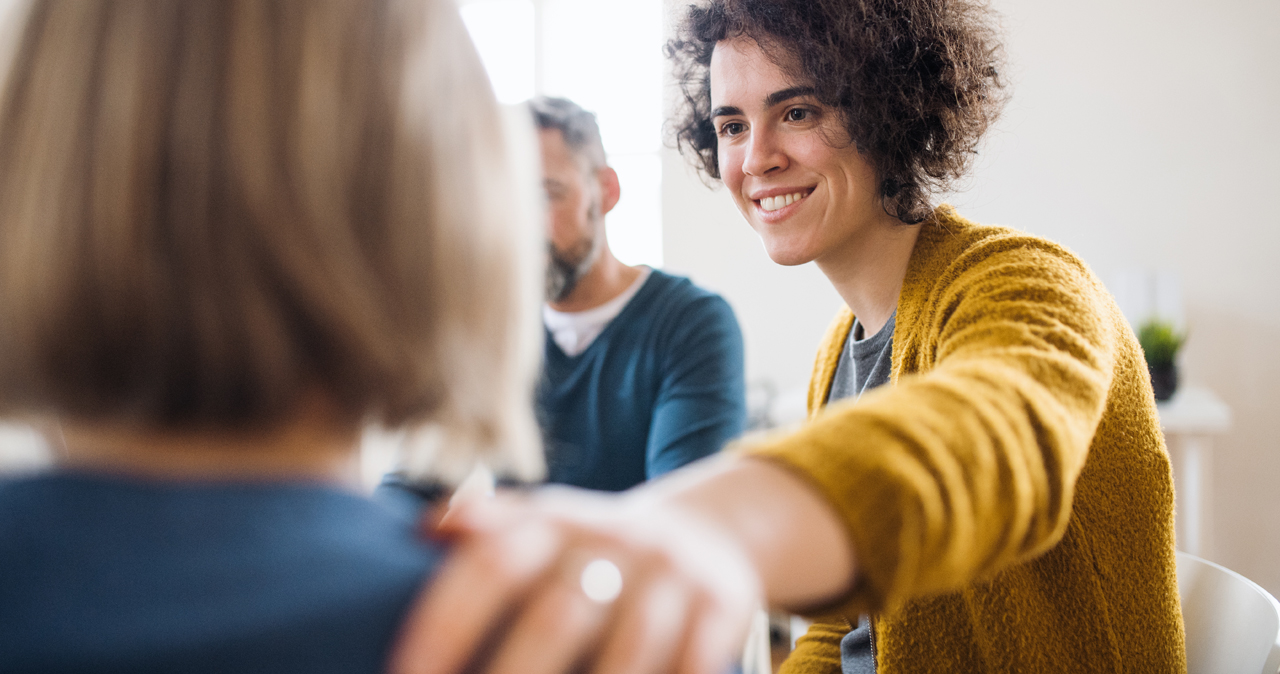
pixel 782 200
pixel 778 206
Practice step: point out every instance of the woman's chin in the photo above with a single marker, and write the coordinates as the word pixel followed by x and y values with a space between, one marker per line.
pixel 787 256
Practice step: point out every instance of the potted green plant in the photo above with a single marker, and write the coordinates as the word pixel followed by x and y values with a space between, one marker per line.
pixel 1160 343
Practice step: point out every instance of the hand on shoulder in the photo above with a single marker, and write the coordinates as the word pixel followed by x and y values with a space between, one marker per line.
pixel 511 597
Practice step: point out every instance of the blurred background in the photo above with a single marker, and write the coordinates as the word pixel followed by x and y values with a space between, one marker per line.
pixel 1141 134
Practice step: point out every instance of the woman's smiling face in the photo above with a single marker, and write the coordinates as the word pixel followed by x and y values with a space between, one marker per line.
pixel 787 158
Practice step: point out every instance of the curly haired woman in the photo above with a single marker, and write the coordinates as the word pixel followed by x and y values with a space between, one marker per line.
pixel 982 485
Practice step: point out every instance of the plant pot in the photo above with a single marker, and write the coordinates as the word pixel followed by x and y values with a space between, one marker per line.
pixel 1164 380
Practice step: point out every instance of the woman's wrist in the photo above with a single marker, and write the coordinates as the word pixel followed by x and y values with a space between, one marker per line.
pixel 786 529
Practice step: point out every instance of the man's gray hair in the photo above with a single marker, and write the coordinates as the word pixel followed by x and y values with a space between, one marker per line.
pixel 579 128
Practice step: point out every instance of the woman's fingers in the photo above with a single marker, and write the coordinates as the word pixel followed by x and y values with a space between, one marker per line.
pixel 714 639
pixel 645 635
pixel 555 629
pixel 484 576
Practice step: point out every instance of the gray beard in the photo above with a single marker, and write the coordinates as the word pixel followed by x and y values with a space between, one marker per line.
pixel 565 271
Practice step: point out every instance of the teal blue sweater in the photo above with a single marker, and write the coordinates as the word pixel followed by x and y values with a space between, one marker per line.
pixel 661 386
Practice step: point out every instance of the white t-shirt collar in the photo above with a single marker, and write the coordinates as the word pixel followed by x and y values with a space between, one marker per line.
pixel 574 331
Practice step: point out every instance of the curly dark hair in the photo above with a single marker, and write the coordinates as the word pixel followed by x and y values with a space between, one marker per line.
pixel 917 81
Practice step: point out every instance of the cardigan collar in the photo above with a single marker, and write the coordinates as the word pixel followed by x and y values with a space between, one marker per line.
pixel 927 263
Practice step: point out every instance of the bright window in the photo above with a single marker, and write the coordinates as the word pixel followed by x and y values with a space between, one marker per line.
pixel 503 33
pixel 605 55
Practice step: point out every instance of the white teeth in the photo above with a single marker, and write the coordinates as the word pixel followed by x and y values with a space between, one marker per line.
pixel 780 201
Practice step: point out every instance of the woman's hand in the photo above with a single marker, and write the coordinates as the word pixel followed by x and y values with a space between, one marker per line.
pixel 695 550
pixel 510 596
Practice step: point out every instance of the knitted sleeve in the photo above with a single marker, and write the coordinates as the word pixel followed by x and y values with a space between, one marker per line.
pixel 968 465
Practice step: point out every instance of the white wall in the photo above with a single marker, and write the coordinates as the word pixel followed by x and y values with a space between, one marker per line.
pixel 1143 134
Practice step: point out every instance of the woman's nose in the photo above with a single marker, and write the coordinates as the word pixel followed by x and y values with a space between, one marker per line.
pixel 764 155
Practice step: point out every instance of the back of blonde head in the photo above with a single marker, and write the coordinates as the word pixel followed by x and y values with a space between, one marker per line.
pixel 211 210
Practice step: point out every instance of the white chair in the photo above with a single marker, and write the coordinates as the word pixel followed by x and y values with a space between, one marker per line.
pixel 757 656
pixel 1233 625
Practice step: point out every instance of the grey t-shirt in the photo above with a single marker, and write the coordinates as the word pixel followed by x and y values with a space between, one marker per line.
pixel 864 364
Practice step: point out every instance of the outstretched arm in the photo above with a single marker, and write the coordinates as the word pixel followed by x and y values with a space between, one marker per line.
pixel 949 475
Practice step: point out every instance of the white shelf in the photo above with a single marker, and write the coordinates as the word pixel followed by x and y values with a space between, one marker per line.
pixel 1194 410
pixel 1190 420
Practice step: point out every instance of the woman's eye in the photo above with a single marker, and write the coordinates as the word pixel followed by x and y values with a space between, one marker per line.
pixel 797 115
pixel 732 129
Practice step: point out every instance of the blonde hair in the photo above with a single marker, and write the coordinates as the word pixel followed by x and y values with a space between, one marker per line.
pixel 211 210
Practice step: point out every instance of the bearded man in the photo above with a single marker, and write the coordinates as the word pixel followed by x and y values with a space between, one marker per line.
pixel 643 369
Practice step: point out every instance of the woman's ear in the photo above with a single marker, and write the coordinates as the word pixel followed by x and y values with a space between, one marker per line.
pixel 610 190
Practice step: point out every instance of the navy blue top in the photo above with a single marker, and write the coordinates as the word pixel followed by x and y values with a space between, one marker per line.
pixel 661 386
pixel 101 574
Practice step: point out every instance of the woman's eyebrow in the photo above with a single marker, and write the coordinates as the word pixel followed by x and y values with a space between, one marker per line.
pixel 725 110
pixel 769 101
pixel 787 94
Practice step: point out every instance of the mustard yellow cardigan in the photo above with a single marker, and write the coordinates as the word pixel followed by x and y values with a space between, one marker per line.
pixel 1008 495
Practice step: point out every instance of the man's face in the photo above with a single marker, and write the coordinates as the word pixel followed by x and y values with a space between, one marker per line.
pixel 574 218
